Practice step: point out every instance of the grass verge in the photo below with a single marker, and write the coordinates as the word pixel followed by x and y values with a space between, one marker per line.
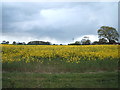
pixel 65 80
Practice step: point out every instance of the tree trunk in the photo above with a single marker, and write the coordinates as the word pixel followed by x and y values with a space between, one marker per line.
pixel 109 41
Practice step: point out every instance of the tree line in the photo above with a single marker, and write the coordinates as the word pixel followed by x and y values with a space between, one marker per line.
pixel 106 35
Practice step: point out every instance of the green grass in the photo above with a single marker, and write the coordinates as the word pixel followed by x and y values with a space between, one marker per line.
pixel 65 80
pixel 56 74
pixel 57 66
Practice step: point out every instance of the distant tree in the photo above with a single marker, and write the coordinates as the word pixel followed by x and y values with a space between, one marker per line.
pixel 102 41
pixel 5 42
pixel 85 41
pixel 14 43
pixel 19 43
pixel 39 43
pixel 71 44
pixel 24 43
pixel 108 33
pixel 77 43
pixel 113 41
pixel 47 43
pixel 95 43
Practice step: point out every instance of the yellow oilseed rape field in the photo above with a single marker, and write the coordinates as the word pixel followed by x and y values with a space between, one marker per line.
pixel 58 66
pixel 68 54
pixel 60 57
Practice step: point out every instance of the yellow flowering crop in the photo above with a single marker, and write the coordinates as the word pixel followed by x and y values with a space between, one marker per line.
pixel 66 53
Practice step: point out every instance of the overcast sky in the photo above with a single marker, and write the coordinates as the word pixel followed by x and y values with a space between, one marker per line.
pixel 57 22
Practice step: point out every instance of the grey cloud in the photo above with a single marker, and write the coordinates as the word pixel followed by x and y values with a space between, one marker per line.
pixel 61 21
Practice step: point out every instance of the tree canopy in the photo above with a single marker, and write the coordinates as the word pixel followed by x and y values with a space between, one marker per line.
pixel 108 33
